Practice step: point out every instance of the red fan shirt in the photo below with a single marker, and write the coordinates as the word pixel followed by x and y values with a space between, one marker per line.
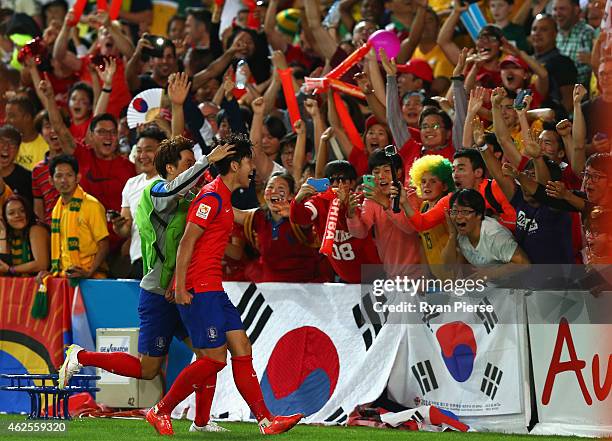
pixel 349 252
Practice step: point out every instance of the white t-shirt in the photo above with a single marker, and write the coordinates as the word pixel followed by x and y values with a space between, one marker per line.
pixel 130 198
pixel 496 244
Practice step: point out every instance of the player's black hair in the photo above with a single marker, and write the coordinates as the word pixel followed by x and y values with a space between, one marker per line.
pixel 152 132
pixel 431 110
pixel 170 153
pixel 379 158
pixel 468 197
pixel 474 157
pixel 243 148
pixel 63 159
pixel 102 117
pixel 340 167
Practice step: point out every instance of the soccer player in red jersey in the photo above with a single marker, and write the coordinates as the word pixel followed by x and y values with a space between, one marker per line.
pixel 310 207
pixel 211 320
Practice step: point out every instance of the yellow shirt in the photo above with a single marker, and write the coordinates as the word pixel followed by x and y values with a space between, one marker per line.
pixel 434 240
pixel 440 5
pixel 536 128
pixel 437 60
pixel 31 153
pixel 92 229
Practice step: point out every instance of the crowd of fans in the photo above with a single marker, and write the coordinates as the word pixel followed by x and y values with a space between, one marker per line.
pixel 502 144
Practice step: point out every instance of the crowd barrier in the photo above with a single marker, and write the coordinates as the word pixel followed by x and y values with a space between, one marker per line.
pixel 321 349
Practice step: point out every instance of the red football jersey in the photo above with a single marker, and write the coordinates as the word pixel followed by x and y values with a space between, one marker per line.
pixel 349 252
pixel 286 251
pixel 212 211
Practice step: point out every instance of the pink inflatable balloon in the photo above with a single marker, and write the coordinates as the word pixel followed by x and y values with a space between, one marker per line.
pixel 386 40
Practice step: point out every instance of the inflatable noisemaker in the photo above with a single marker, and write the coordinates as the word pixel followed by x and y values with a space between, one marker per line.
pixel 252 21
pixel 349 126
pixel 327 244
pixel 77 10
pixel 286 78
pixel 382 39
pixel 385 40
pixel 115 7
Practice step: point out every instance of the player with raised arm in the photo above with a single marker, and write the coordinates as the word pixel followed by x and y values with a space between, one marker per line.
pixel 212 321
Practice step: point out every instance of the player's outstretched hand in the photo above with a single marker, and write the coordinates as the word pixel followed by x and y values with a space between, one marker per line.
pixel 183 297
pixel 220 152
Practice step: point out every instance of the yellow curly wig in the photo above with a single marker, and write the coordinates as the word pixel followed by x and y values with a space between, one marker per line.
pixel 437 165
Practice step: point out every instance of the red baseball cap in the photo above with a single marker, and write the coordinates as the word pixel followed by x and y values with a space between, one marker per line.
pixel 372 120
pixel 417 67
pixel 513 61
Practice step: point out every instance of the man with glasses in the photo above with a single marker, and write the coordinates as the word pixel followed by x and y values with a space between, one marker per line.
pixel 594 205
pixel 475 238
pixel 468 173
pixel 103 171
pixel 435 125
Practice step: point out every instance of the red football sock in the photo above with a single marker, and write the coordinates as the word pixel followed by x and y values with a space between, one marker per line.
pixel 203 400
pixel 118 363
pixel 246 381
pixel 192 377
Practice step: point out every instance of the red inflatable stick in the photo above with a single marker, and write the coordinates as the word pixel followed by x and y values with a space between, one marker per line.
pixel 102 5
pixel 114 10
pixel 77 11
pixel 252 21
pixel 327 242
pixel 292 104
pixel 349 62
pixel 349 89
pixel 347 122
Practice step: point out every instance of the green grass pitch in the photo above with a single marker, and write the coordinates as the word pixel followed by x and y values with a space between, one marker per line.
pixel 92 429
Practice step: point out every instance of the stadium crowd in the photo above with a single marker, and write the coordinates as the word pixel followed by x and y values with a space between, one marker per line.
pixel 501 143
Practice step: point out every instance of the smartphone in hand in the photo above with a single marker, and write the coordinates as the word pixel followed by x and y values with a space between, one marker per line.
pixel 520 97
pixel 320 185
